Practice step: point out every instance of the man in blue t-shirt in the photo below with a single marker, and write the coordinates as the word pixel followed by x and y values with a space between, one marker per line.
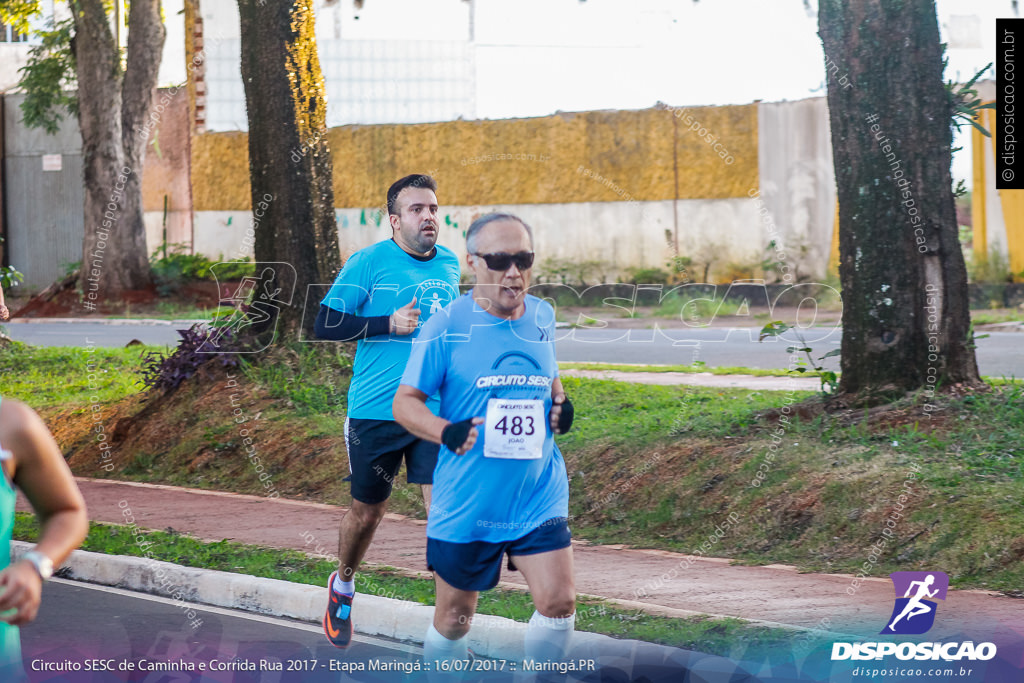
pixel 382 297
pixel 500 486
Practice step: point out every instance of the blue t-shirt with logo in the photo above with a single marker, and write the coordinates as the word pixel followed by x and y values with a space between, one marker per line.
pixel 470 357
pixel 378 280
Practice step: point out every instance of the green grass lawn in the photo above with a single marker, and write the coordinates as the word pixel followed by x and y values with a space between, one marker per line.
pixel 168 310
pixel 692 368
pixel 694 310
pixel 992 317
pixel 50 376
pixel 650 466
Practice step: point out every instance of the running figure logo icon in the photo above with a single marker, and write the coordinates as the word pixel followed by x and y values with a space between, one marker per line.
pixel 433 295
pixel 913 614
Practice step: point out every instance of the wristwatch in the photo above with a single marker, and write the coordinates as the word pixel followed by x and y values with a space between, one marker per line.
pixel 42 563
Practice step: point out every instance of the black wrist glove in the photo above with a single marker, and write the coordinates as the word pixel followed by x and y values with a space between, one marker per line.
pixel 565 418
pixel 455 434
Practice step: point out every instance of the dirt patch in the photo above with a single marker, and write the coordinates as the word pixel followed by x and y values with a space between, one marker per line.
pixel 64 299
pixel 925 416
pixel 216 431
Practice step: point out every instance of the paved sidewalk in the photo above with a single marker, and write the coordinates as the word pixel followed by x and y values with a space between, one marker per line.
pixel 702 379
pixel 676 585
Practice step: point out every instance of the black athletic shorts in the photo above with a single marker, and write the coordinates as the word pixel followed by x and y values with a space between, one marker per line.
pixel 476 566
pixel 375 452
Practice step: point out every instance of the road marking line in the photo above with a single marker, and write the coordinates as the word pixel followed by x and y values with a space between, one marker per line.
pixel 274 621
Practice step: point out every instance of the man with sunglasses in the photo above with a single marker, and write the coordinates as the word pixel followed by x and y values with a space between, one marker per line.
pixel 500 487
pixel 381 298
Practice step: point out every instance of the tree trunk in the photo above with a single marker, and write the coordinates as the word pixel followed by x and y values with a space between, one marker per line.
pixel 905 302
pixel 112 106
pixel 296 239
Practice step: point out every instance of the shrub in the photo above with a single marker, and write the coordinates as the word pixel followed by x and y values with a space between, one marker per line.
pixel 648 276
pixel 571 272
pixel 176 267
pixel 198 345
pixel 9 277
pixel 991 268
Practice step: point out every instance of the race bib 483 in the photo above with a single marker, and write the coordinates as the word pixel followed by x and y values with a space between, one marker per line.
pixel 515 429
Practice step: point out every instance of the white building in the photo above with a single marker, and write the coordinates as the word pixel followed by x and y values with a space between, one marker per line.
pixel 15 47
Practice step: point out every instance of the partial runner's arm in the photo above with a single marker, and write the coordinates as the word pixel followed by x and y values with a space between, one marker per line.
pixel 561 414
pixel 42 474
pixel 556 389
pixel 411 411
pixel 337 326
pixel 337 321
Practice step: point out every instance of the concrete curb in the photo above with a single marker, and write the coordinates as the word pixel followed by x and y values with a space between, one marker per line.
pixel 491 636
pixel 378 615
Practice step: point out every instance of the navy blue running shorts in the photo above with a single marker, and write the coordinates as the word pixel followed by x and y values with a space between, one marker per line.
pixel 376 449
pixel 476 566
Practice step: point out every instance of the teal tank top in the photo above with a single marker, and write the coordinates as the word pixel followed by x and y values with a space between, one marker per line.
pixel 10 639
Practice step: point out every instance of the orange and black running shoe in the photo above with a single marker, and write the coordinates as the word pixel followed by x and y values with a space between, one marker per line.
pixel 337 619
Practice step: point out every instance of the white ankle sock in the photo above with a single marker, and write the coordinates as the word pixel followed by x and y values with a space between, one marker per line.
pixel 436 646
pixel 547 638
pixel 344 587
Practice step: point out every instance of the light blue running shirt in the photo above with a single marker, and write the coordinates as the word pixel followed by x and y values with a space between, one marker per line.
pixel 471 357
pixel 378 280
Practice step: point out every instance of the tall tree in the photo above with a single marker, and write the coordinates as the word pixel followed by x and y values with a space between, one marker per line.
pixel 113 99
pixel 289 160
pixel 906 323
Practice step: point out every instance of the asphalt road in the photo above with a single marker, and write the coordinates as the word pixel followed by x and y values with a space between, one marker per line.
pixel 1000 354
pixel 90 627
pixel 94 634
pixel 715 346
pixel 118 333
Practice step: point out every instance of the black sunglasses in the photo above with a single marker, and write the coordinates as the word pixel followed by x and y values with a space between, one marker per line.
pixel 502 261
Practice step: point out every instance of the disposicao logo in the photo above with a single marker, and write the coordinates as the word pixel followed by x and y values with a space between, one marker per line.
pixel 914 614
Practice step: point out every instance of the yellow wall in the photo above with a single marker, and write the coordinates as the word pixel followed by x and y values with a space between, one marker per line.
pixel 1013 214
pixel 702 172
pixel 1010 201
pixel 632 149
pixel 220 172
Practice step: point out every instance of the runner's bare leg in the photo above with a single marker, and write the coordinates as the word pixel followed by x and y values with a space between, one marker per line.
pixel 355 535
